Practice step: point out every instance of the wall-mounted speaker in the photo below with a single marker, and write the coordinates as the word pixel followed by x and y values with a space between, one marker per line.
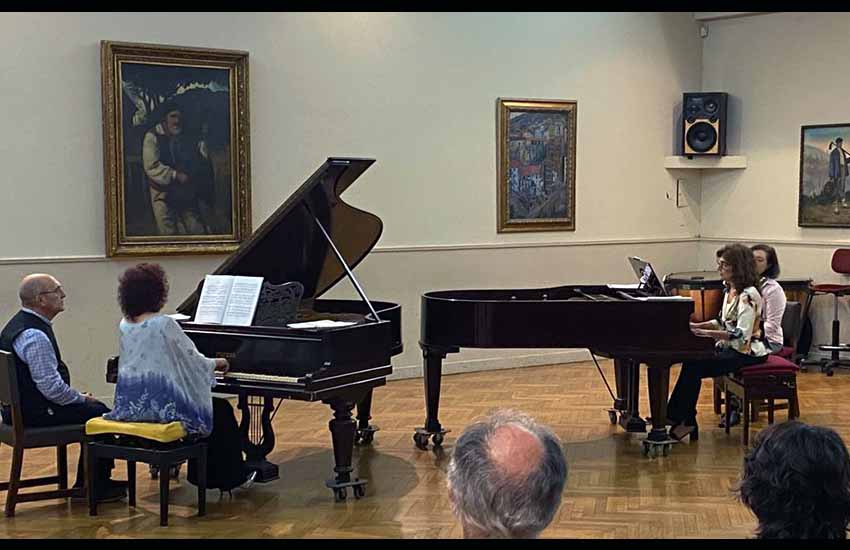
pixel 704 123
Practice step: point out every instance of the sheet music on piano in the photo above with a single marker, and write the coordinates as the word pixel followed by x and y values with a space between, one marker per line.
pixel 229 300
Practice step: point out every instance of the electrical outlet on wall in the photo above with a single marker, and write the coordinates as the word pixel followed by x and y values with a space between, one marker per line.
pixel 681 197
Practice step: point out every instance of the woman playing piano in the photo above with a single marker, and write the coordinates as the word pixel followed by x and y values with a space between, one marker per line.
pixel 163 378
pixel 736 333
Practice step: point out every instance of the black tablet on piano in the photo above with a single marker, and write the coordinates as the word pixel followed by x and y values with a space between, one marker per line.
pixel 648 281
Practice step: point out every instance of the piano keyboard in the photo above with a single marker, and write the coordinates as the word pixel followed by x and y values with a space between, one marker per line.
pixel 250 377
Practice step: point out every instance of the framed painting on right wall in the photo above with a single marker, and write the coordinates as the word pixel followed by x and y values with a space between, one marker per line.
pixel 824 196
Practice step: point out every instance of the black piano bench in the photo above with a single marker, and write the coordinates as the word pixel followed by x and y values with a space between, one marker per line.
pixel 121 440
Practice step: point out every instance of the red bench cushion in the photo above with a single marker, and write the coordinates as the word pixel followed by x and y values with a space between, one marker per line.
pixel 786 352
pixel 773 365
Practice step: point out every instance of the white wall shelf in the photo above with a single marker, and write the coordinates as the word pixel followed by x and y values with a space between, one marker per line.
pixel 703 163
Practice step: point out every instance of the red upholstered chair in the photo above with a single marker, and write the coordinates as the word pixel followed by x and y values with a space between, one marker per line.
pixel 840 264
pixel 775 379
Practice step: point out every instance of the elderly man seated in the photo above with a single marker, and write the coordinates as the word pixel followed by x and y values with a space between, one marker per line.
pixel 506 476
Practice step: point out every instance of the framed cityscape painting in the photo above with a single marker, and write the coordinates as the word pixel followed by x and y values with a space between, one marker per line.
pixel 824 199
pixel 176 149
pixel 536 151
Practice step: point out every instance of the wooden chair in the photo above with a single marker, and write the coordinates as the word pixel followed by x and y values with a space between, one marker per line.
pixel 163 445
pixel 763 384
pixel 792 326
pixel 21 438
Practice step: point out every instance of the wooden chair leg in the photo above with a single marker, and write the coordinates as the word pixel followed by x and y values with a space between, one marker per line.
pixel 90 455
pixel 62 465
pixel 717 396
pixel 728 408
pixel 164 477
pixel 202 481
pixel 14 480
pixel 794 406
pixel 754 407
pixel 770 409
pixel 746 418
pixel 131 483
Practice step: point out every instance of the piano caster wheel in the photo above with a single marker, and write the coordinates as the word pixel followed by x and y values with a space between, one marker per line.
pixel 830 372
pixel 359 491
pixel 173 471
pixel 421 441
pixel 438 440
pixel 340 494
pixel 364 437
pixel 612 416
pixel 665 450
pixel 644 450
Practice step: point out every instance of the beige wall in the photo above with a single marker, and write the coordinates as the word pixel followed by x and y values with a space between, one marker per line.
pixel 782 73
pixel 415 91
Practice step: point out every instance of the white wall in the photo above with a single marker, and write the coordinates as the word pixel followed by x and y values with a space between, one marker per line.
pixel 783 71
pixel 415 91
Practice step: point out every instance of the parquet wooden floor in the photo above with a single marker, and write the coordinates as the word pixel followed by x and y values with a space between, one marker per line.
pixel 612 491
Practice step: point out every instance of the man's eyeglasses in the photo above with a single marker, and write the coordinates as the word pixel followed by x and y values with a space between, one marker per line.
pixel 58 289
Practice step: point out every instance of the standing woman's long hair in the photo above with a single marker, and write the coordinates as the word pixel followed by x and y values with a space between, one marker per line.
pixel 743 264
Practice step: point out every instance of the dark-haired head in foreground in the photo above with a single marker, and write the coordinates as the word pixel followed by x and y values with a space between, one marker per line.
pixel 796 480
pixel 506 476
pixel 142 288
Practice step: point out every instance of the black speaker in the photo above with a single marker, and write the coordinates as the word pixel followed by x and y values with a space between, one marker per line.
pixel 704 123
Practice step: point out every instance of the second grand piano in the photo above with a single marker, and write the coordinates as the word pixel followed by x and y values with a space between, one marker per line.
pixel 625 325
pixel 316 239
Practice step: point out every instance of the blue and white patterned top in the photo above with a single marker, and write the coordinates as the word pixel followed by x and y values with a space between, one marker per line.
pixel 162 377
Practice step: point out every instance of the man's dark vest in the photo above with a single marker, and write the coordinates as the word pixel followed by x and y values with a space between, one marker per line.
pixel 32 400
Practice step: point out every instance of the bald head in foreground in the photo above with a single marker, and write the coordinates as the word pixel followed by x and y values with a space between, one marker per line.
pixel 506 476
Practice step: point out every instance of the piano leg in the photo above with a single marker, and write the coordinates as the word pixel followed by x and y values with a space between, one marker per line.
pixel 433 366
pixel 627 381
pixel 258 440
pixel 658 379
pixel 343 430
pixel 365 431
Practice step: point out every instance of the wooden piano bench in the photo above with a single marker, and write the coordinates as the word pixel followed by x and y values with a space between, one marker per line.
pixel 162 445
pixel 774 379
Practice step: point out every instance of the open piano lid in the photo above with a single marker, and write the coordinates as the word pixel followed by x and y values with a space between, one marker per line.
pixel 289 246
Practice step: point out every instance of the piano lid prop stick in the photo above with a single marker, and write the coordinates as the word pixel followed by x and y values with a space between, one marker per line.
pixel 602 374
pixel 344 265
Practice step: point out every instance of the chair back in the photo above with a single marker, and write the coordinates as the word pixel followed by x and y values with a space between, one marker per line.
pixel 841 261
pixel 791 323
pixel 9 394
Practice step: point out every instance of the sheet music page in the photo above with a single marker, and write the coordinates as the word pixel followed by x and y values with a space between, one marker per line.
pixel 242 304
pixel 213 299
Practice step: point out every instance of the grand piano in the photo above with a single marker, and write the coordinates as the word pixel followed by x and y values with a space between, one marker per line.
pixel 316 239
pixel 626 325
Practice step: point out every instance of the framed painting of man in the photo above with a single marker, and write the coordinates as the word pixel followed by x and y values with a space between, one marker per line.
pixel 824 197
pixel 536 151
pixel 176 149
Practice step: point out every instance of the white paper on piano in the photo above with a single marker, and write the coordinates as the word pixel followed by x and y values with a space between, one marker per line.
pixel 663 298
pixel 179 316
pixel 323 323
pixel 229 300
pixel 627 286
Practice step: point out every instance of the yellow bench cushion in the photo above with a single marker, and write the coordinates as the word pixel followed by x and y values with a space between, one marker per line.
pixel 164 433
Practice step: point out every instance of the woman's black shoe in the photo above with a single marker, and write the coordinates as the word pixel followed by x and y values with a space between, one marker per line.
pixel 679 431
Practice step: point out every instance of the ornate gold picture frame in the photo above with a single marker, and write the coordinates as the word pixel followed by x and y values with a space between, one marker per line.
pixel 536 151
pixel 176 149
